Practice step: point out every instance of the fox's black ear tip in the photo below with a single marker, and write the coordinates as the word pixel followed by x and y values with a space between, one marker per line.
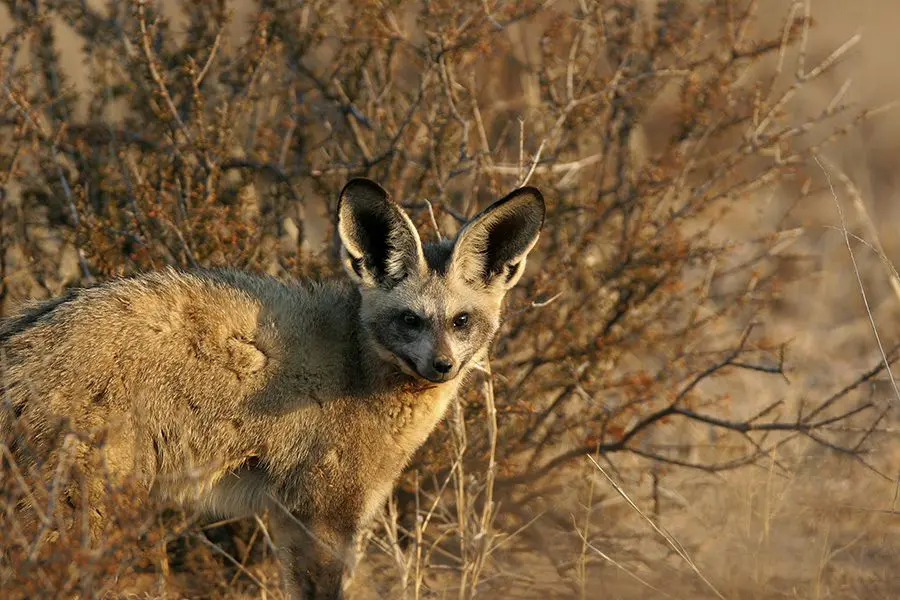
pixel 362 185
pixel 533 196
pixel 531 191
pixel 355 181
pixel 527 193
pixel 361 192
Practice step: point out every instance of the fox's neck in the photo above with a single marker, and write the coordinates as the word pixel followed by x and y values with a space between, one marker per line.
pixel 413 406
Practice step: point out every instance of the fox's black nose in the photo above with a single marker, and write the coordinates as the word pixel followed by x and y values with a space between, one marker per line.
pixel 442 365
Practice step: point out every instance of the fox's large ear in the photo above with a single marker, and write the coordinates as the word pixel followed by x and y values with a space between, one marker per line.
pixel 490 249
pixel 380 245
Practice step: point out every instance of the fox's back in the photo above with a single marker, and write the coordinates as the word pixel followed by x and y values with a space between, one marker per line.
pixel 180 367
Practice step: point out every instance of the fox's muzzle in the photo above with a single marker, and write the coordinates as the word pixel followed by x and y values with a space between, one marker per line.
pixel 440 370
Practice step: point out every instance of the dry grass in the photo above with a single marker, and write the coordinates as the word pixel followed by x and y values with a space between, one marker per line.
pixel 687 400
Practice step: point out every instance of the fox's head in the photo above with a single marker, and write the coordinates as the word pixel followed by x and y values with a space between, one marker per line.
pixel 431 309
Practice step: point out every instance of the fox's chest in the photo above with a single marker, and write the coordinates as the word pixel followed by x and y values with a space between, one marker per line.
pixel 381 432
pixel 365 450
pixel 411 418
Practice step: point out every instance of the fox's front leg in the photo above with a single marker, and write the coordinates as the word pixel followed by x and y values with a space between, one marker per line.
pixel 315 555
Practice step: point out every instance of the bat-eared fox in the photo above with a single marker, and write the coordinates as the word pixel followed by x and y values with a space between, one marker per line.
pixel 236 393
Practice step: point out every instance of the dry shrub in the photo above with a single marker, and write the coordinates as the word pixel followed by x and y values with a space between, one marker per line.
pixel 145 545
pixel 218 134
pixel 46 551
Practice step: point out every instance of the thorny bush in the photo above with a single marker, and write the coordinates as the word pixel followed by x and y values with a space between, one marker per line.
pixel 218 134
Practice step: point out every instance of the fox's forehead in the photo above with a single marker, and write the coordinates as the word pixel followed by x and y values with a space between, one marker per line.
pixel 435 291
pixel 439 294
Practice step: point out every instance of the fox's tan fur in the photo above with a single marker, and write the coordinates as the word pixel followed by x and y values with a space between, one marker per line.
pixel 235 393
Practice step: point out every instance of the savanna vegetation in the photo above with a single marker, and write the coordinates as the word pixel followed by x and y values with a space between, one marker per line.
pixel 654 421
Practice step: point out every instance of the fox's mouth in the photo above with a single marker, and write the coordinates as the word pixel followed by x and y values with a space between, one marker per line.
pixel 408 366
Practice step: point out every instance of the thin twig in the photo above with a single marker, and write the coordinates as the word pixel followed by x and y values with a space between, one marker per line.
pixel 674 543
pixel 862 289
pixel 154 72
pixel 434 224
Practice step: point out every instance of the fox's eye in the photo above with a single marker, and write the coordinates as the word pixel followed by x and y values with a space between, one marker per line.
pixel 411 319
pixel 461 320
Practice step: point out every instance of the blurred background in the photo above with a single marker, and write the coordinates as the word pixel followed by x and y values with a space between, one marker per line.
pixel 692 385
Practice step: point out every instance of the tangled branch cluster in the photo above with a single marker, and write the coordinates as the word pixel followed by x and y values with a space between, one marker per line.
pixel 219 135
